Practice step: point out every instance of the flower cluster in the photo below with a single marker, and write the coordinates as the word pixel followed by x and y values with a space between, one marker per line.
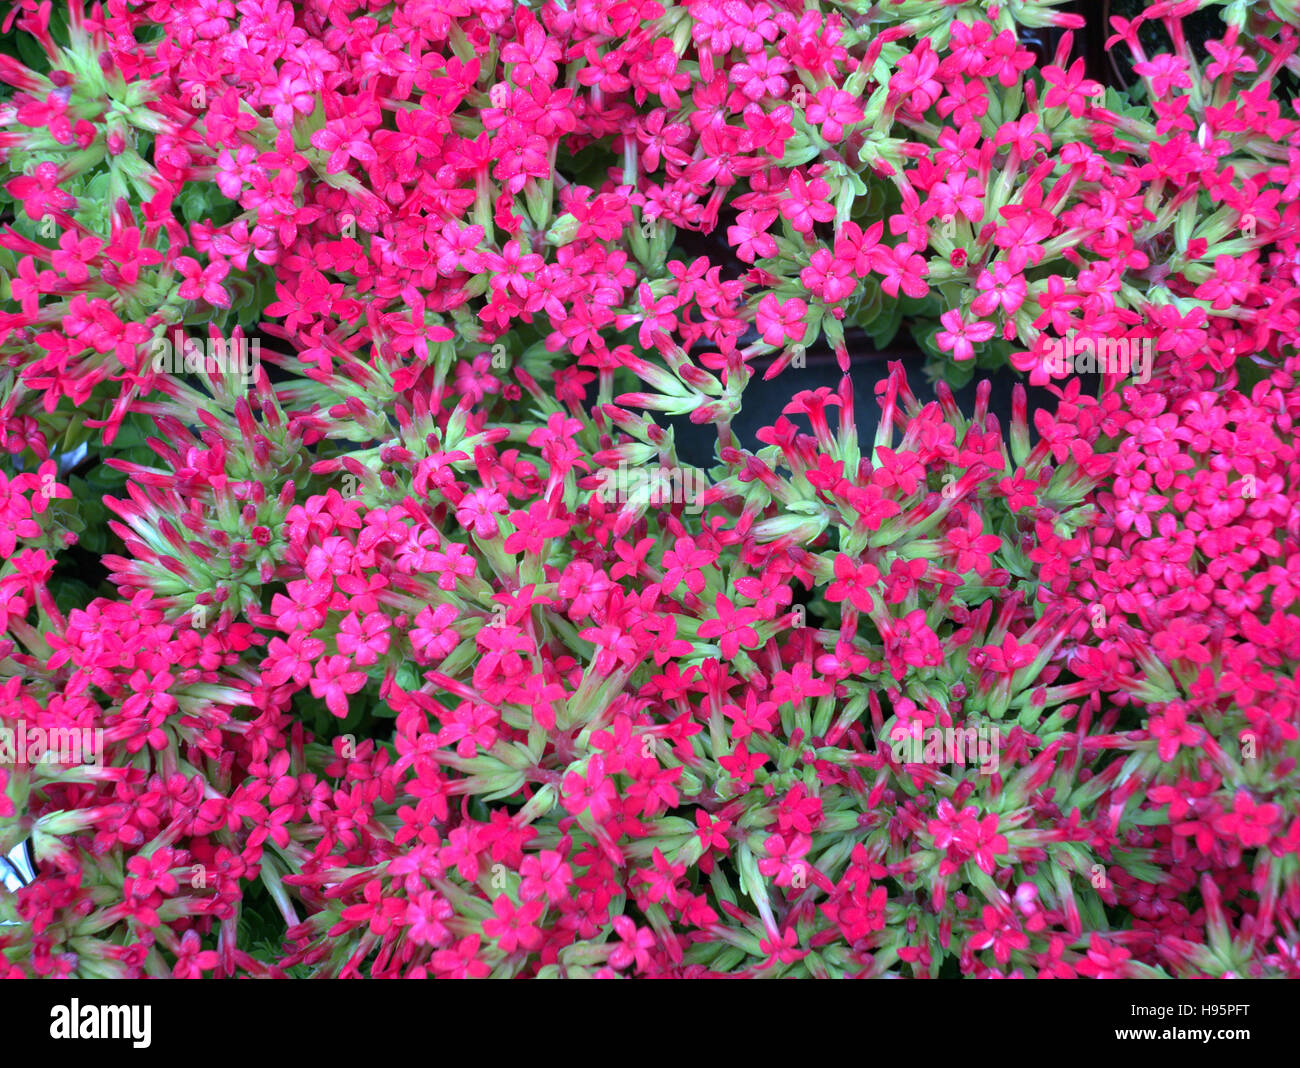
pixel 382 679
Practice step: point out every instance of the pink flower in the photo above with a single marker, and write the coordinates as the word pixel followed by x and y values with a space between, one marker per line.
pixel 1001 287
pixel 192 960
pixel 781 322
pixel 960 338
pixel 333 682
pixel 344 139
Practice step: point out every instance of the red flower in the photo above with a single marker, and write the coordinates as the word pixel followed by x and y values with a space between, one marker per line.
pixel 731 625
pixel 192 960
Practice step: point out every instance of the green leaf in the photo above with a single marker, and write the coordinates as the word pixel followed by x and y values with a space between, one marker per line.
pixel 32 54
pixel 883 330
pixel 944 368
pixel 70 593
pixel 1250 373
